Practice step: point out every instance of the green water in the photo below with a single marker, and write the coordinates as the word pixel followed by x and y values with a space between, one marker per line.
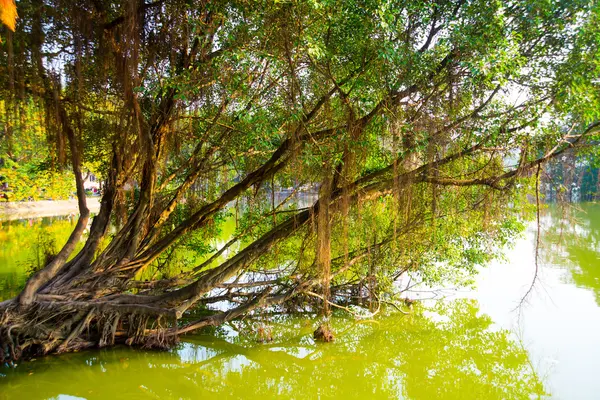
pixel 409 357
pixel 23 245
pixel 471 345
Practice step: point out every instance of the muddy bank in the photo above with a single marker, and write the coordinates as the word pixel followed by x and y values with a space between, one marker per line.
pixel 44 208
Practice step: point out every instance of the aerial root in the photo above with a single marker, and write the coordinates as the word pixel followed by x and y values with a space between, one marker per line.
pixel 39 329
pixel 160 338
pixel 109 329
pixel 76 332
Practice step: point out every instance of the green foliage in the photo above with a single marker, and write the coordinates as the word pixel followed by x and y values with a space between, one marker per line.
pixel 35 182
pixel 27 167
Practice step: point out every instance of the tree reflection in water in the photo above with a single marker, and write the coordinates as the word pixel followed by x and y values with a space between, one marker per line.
pixel 571 238
pixel 449 351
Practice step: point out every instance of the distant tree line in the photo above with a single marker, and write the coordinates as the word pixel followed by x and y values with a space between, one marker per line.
pixel 573 177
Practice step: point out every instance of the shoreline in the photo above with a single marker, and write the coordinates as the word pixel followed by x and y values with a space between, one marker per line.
pixel 44 208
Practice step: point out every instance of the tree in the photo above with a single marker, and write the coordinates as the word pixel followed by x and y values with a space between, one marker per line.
pixel 402 113
pixel 573 177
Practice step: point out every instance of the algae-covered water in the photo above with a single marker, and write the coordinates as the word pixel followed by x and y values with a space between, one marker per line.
pixel 470 345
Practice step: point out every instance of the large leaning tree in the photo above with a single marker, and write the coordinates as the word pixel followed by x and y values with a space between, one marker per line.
pixel 349 142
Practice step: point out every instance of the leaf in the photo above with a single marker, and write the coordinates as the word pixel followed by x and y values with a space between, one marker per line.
pixel 8 13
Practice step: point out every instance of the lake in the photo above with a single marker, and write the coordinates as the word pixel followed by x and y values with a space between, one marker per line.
pixel 472 344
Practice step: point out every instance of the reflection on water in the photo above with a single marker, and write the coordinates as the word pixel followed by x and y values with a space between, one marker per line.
pixel 25 244
pixel 475 348
pixel 559 324
pixel 446 354
pixel 572 241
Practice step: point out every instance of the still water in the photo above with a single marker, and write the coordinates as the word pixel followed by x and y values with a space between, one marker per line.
pixel 473 344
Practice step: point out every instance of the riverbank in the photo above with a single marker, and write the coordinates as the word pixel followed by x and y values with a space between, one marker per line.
pixel 44 208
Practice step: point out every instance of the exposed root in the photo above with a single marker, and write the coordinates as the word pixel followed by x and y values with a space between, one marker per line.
pixel 41 329
pixel 324 333
pixel 109 329
pixel 64 346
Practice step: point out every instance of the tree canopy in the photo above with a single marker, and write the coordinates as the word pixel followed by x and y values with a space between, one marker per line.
pixel 350 142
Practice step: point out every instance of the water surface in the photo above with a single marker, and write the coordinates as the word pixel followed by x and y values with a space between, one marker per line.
pixel 471 345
